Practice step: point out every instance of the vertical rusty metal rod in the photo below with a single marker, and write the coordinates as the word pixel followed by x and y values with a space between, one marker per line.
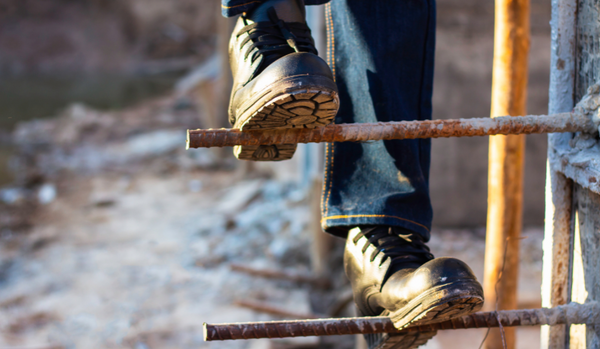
pixel 559 189
pixel 506 162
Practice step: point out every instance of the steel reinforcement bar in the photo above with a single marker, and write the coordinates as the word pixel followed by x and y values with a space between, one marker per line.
pixel 572 313
pixel 503 125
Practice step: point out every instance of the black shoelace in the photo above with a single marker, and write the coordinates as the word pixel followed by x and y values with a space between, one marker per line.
pixel 406 249
pixel 276 39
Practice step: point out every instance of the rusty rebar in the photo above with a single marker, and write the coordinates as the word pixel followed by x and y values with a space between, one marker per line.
pixel 565 122
pixel 573 313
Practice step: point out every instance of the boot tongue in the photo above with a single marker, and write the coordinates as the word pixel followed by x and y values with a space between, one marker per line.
pixel 287 11
pixel 277 28
pixel 409 261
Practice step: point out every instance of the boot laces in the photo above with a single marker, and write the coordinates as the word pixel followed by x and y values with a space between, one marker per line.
pixel 403 247
pixel 276 38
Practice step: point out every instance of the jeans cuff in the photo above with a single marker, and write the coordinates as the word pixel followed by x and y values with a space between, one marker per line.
pixel 231 8
pixel 340 225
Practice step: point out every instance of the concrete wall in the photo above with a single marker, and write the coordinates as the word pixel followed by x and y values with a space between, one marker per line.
pixel 58 37
pixel 462 89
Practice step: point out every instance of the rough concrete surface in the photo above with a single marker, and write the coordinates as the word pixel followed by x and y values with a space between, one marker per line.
pixel 586 263
pixel 57 37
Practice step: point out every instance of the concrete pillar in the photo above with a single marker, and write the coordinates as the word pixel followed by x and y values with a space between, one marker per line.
pixel 557 230
pixel 572 234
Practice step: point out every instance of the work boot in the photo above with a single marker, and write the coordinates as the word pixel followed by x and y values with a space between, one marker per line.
pixel 279 81
pixel 393 274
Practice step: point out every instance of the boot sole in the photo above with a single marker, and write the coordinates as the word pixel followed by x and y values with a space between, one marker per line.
pixel 439 304
pixel 398 341
pixel 299 104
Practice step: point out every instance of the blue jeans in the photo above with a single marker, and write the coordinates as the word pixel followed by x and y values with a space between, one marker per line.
pixel 230 8
pixel 382 55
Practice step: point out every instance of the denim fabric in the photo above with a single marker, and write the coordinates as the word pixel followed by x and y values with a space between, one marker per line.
pixel 230 8
pixel 382 57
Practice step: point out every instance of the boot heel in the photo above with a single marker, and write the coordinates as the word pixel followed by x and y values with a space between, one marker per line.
pixel 265 152
pixel 409 340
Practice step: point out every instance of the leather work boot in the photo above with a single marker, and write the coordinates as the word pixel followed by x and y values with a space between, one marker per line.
pixel 279 81
pixel 393 274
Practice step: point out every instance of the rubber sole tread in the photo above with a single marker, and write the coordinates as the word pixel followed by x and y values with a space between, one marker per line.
pixel 304 108
pixel 438 313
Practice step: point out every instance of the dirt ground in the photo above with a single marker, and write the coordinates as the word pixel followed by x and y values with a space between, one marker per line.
pixel 127 240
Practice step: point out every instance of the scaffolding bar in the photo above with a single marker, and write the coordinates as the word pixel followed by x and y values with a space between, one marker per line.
pixel 565 122
pixel 572 313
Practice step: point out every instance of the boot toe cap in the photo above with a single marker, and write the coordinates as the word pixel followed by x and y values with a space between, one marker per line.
pixel 441 271
pixel 297 64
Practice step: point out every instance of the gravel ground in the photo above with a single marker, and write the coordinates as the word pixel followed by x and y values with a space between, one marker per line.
pixel 129 240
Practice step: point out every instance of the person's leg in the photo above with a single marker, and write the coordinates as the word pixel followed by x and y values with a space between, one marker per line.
pixel 382 54
pixel 376 193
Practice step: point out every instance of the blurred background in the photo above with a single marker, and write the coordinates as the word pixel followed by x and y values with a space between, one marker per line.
pixel 114 236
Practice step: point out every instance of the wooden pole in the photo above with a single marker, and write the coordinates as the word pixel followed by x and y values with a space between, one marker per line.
pixel 506 162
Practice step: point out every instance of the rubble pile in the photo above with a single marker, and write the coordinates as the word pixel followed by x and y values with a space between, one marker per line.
pixel 131 238
pixel 126 240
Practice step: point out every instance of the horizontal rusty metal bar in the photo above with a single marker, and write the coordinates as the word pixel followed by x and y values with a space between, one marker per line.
pixel 573 313
pixel 565 122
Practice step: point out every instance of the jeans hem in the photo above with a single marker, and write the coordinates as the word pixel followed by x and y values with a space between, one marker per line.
pixel 231 8
pixel 339 225
pixel 234 10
